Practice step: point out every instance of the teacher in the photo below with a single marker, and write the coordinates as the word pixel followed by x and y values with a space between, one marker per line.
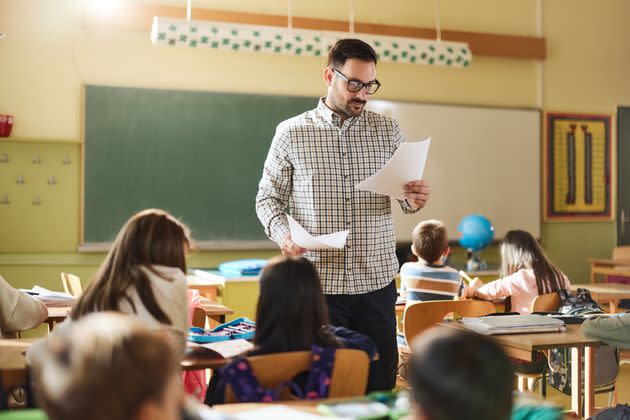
pixel 314 162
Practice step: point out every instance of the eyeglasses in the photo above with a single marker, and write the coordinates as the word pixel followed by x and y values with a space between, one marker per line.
pixel 355 85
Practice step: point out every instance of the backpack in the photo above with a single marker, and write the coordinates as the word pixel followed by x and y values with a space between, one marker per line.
pixel 606 357
pixel 238 373
pixel 619 412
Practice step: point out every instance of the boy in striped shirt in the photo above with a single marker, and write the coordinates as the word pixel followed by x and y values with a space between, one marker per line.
pixel 429 278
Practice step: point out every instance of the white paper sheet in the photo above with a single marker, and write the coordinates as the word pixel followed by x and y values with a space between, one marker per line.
pixel 278 412
pixel 406 164
pixel 301 237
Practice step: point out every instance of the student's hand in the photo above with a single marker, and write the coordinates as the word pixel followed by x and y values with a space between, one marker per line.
pixel 416 193
pixel 475 283
pixel 290 248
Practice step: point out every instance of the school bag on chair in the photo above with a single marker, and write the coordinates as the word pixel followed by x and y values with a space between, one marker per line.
pixel 195 383
pixel 606 357
pixel 238 373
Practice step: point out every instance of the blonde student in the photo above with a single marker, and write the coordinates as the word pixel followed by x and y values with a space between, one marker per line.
pixel 144 275
pixel 107 366
pixel 429 278
pixel 526 273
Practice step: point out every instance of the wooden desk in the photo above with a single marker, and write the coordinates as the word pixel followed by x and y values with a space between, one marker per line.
pixel 524 346
pixel 215 311
pixel 57 314
pixel 610 293
pixel 200 359
pixel 609 267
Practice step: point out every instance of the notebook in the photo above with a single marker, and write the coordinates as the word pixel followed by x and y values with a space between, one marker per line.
pixel 514 324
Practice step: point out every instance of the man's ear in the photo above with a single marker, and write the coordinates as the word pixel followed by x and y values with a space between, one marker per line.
pixel 328 76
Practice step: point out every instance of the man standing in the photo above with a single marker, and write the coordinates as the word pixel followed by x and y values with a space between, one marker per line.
pixel 314 161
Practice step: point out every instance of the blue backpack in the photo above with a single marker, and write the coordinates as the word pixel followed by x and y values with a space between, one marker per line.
pixel 238 373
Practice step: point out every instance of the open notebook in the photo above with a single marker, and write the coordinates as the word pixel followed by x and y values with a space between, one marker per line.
pixel 514 324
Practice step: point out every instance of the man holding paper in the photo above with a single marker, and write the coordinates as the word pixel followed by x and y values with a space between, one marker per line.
pixel 314 162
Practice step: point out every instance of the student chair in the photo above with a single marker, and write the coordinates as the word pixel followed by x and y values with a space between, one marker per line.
pixel 548 302
pixel 423 315
pixel 71 284
pixel 13 377
pixel 349 375
pixel 199 318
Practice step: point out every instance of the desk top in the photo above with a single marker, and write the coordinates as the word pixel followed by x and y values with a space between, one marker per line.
pixel 12 353
pixel 617 289
pixel 610 262
pixel 523 345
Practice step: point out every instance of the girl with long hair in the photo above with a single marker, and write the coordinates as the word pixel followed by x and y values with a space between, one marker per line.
pixel 144 274
pixel 292 315
pixel 526 273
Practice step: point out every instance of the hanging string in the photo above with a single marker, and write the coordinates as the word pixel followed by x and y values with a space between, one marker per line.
pixel 351 17
pixel 188 9
pixel 290 14
pixel 438 27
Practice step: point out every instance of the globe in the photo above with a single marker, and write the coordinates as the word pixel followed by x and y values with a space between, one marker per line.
pixel 475 232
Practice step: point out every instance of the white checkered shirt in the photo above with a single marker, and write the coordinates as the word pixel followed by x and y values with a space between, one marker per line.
pixel 312 167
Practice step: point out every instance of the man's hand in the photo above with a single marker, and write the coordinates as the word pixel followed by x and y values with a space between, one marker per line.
pixel 289 248
pixel 416 193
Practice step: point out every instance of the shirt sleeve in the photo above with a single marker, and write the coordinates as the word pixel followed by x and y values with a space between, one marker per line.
pixel 274 189
pixel 354 340
pixel 500 288
pixel 613 329
pixel 18 310
pixel 399 138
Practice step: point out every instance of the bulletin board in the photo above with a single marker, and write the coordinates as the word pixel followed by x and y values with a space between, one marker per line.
pixel 577 167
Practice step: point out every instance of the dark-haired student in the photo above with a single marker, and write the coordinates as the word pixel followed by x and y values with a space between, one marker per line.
pixel 144 275
pixel 314 162
pixel 456 375
pixel 291 315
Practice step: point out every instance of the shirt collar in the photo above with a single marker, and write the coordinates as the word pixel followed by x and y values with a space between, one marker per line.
pixel 331 116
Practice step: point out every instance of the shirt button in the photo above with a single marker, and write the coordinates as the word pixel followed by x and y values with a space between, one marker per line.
pixel 345 176
pixel 349 270
pixel 348 246
pixel 347 199
pixel 348 223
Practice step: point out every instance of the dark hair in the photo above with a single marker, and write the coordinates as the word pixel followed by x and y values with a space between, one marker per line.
pixel 456 374
pixel 350 48
pixel 291 314
pixel 430 240
pixel 520 250
pixel 104 366
pixel 150 237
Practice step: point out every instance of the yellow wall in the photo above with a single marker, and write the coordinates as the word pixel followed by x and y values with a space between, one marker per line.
pixel 48 54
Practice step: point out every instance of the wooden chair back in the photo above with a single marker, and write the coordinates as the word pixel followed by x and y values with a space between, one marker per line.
pixel 349 375
pixel 423 315
pixel 199 318
pixel 71 284
pixel 13 372
pixel 549 302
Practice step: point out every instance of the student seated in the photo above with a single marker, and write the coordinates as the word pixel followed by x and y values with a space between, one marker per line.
pixel 429 278
pixel 292 315
pixel 107 366
pixel 18 310
pixel 526 271
pixel 456 374
pixel 144 275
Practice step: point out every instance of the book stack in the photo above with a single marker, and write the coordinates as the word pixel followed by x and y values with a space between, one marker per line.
pixel 514 324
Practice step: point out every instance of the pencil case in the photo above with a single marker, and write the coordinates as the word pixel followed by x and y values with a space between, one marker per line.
pixel 240 328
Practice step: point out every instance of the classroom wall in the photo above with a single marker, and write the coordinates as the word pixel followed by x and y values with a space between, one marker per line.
pixel 50 54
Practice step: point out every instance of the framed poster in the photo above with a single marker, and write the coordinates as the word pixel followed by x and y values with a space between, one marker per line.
pixel 577 173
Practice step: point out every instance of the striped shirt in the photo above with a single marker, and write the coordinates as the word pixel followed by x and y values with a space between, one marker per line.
pixel 313 164
pixel 424 281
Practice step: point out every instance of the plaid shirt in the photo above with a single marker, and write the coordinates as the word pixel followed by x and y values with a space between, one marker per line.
pixel 313 164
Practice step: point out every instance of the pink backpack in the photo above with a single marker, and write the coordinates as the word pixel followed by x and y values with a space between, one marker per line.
pixel 195 383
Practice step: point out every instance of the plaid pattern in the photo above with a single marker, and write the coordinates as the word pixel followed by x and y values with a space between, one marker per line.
pixel 312 167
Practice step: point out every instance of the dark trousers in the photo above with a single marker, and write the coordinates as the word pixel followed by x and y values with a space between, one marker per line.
pixel 372 314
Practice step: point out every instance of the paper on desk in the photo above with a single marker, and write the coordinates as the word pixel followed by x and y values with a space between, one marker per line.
pixel 406 164
pixel 277 412
pixel 302 238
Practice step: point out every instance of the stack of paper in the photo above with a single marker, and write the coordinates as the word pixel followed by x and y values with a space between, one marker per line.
pixel 513 324
pixel 51 298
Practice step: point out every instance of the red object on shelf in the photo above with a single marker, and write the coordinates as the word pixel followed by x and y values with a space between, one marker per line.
pixel 6 123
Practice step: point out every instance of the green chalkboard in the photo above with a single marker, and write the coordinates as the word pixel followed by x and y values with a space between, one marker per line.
pixel 196 154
